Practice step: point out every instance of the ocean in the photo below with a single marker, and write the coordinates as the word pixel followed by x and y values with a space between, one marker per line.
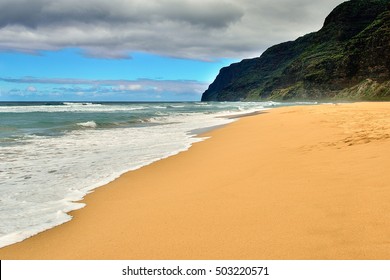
pixel 53 153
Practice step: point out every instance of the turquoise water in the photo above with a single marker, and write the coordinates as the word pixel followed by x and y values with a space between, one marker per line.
pixel 52 154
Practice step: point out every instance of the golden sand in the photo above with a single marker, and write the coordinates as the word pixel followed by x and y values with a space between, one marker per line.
pixel 293 183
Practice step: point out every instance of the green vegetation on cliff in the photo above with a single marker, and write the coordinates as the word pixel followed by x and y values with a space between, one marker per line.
pixel 348 58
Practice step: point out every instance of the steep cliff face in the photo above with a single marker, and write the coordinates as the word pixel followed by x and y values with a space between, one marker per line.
pixel 352 50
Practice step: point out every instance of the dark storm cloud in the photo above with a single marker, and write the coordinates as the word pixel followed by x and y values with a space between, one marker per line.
pixel 36 13
pixel 196 29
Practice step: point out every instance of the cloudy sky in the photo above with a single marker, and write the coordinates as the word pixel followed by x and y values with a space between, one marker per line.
pixel 137 50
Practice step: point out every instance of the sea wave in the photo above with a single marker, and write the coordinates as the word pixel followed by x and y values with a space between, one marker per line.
pixel 89 124
pixel 71 107
pixel 81 104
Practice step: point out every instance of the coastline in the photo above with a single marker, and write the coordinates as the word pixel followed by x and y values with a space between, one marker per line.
pixel 296 182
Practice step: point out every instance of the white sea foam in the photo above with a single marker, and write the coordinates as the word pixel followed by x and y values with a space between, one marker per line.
pixel 74 107
pixel 89 124
pixel 81 104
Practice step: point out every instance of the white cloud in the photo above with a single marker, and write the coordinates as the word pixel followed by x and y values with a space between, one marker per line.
pixel 129 87
pixel 196 29
pixel 31 89
pixel 77 86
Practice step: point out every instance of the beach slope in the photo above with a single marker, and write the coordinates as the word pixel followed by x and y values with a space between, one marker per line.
pixel 307 182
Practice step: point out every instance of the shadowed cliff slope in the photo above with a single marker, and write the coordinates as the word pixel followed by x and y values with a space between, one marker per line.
pixel 348 58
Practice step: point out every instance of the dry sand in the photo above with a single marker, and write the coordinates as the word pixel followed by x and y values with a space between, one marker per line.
pixel 293 183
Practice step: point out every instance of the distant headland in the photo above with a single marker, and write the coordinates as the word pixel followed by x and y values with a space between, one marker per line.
pixel 348 58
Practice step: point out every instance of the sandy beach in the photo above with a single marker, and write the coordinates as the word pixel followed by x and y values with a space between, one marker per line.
pixel 305 182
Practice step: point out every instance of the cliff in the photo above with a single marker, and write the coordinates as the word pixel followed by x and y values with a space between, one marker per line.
pixel 349 58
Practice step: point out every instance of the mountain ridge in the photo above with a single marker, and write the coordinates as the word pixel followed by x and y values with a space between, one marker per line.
pixel 351 51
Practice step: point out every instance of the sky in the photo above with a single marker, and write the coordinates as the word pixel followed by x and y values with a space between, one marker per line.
pixel 138 50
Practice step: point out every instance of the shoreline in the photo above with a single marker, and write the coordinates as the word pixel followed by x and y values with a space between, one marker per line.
pixel 79 187
pixel 79 204
pixel 292 183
